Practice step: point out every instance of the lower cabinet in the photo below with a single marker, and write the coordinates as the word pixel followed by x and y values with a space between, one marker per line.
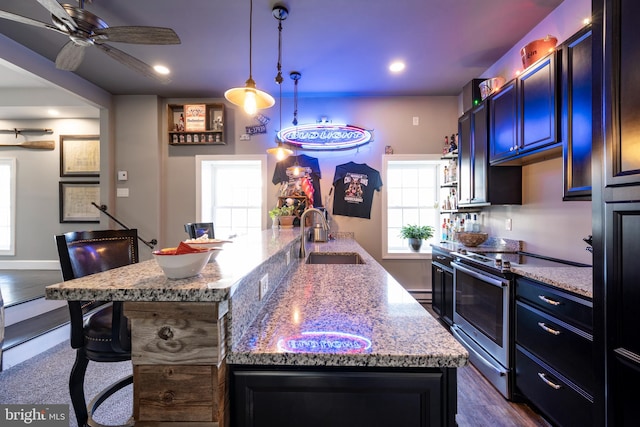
pixel 341 397
pixel 442 286
pixel 554 352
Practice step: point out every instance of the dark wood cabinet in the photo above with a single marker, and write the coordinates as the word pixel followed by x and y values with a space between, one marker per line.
pixel 442 285
pixel 616 210
pixel 504 122
pixel 341 397
pixel 478 183
pixel 537 90
pixel 554 352
pixel 524 122
pixel 576 82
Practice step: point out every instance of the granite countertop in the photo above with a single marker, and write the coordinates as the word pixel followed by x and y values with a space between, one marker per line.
pixel 578 280
pixel 145 280
pixel 345 315
pixel 316 315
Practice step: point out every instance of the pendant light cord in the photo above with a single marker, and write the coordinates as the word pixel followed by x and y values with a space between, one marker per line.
pixel 250 37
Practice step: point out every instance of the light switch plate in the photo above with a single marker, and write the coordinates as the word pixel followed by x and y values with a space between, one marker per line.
pixel 122 192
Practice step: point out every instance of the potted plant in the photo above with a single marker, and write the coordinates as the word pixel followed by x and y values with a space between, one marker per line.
pixel 283 216
pixel 415 234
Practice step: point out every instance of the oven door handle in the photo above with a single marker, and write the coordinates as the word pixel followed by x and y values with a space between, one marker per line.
pixel 485 277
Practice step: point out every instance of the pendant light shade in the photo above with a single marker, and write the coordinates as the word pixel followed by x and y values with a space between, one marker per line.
pixel 248 97
pixel 280 151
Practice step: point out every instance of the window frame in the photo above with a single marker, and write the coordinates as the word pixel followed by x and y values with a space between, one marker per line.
pixel 425 252
pixel 11 162
pixel 200 159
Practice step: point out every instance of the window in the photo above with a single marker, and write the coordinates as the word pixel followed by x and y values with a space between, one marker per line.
pixel 231 193
pixel 411 197
pixel 7 206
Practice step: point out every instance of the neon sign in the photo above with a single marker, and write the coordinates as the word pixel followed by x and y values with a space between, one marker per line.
pixel 325 136
pixel 324 342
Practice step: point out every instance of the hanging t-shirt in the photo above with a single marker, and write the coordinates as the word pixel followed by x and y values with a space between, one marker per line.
pixel 354 185
pixel 280 175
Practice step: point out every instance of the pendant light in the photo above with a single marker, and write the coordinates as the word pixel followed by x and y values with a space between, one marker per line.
pixel 280 151
pixel 248 97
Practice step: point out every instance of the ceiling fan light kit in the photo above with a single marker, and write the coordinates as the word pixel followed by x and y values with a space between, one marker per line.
pixel 85 29
pixel 249 97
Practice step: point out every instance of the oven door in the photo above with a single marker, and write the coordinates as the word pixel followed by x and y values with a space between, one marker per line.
pixel 481 310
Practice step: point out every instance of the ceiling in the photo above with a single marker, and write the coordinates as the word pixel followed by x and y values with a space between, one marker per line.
pixel 341 48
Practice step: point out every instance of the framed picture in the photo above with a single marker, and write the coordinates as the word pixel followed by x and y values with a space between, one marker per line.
pixel 79 155
pixel 75 201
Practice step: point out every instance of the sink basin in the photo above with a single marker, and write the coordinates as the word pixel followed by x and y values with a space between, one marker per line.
pixel 334 258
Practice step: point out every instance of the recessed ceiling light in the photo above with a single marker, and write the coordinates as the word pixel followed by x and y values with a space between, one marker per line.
pixel 53 112
pixel 396 66
pixel 161 69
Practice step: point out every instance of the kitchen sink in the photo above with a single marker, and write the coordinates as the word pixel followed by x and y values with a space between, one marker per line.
pixel 334 258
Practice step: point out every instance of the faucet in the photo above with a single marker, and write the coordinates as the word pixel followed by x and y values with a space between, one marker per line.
pixel 325 226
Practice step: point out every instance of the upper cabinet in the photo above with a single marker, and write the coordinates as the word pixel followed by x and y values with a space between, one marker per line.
pixel 576 110
pixel 196 124
pixel 478 183
pixel 525 116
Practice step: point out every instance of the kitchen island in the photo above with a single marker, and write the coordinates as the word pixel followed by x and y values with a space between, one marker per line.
pixel 259 326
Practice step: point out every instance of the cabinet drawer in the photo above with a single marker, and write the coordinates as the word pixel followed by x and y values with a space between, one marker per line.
pixel 567 349
pixel 441 258
pixel 175 393
pixel 567 307
pixel 562 403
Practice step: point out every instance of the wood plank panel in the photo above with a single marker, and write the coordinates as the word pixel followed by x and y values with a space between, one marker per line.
pixel 175 393
pixel 174 333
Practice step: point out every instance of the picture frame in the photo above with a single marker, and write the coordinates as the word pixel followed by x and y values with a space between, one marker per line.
pixel 75 201
pixel 79 155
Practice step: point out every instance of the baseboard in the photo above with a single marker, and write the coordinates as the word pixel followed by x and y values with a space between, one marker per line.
pixel 26 310
pixel 30 265
pixel 423 296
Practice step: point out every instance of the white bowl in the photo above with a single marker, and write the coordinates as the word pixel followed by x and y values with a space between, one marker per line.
pixel 183 265
pixel 213 246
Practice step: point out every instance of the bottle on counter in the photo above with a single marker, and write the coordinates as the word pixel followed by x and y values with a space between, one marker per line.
pixel 476 224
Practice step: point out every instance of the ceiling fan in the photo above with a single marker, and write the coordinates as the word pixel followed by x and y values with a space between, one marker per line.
pixel 86 29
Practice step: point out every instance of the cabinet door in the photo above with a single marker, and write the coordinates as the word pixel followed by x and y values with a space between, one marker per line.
pixel 447 297
pixel 436 288
pixel 538 100
pixel 576 115
pixel 503 124
pixel 480 163
pixel 617 221
pixel 465 154
pixel 623 317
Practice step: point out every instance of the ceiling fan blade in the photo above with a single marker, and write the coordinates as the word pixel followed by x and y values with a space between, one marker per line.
pixel 29 21
pixel 58 11
pixel 138 35
pixel 132 62
pixel 70 56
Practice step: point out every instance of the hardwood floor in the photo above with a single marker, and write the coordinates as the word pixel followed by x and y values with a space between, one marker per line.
pixel 18 286
pixel 481 405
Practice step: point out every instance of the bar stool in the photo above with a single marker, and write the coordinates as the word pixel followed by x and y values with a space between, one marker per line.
pixel 99 330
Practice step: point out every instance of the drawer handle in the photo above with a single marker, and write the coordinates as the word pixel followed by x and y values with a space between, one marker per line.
pixel 543 377
pixel 439 270
pixel 440 257
pixel 548 329
pixel 548 301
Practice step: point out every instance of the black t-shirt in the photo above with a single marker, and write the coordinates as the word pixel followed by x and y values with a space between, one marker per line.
pixel 280 174
pixel 354 185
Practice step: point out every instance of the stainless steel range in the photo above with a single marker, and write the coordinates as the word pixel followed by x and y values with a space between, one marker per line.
pixel 483 310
